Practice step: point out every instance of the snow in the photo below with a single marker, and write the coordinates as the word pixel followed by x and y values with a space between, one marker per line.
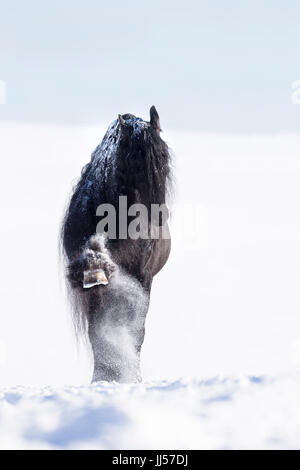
pixel 216 413
pixel 225 305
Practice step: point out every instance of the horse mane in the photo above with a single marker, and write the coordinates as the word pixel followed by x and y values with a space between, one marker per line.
pixel 143 169
pixel 135 163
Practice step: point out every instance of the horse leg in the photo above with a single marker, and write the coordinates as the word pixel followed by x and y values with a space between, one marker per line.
pixel 115 311
pixel 116 327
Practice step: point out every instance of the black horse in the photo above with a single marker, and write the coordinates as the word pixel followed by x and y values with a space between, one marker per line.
pixel 110 277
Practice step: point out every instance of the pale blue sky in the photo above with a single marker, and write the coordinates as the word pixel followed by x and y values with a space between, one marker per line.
pixel 206 65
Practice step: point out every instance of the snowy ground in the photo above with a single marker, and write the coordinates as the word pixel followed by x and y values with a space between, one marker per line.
pixel 236 413
pixel 226 304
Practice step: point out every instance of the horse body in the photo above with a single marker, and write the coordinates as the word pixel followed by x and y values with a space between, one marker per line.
pixel 133 161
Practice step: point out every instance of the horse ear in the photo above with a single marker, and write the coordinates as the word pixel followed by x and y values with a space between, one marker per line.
pixel 121 120
pixel 154 119
pixel 123 126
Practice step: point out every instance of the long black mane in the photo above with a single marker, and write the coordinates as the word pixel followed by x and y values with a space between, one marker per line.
pixel 132 160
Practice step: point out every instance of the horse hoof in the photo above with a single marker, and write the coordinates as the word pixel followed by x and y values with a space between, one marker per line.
pixel 95 277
